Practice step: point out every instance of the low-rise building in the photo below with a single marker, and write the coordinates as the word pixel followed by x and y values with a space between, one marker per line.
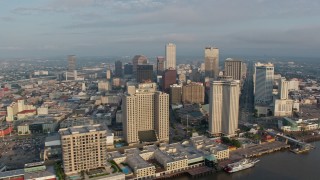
pixel 171 163
pixel 220 152
pixel 287 124
pixel 141 168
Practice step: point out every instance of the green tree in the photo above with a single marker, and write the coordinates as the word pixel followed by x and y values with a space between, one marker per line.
pixel 225 140
pixel 235 143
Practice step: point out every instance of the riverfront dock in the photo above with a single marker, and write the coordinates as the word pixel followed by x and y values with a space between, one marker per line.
pixel 254 150
pixel 200 171
pixel 259 149
pixel 192 172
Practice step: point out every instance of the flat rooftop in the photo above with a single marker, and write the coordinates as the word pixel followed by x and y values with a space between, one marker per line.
pixel 81 129
pixel 13 173
pixel 137 162
pixel 40 174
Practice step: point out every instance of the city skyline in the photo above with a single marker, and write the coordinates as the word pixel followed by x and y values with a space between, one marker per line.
pixel 159 89
pixel 118 28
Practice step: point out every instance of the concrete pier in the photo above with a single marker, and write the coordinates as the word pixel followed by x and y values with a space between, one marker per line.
pixel 254 150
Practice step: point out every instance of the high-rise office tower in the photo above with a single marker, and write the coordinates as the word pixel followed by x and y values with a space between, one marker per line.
pixel 71 63
pixel 263 83
pixel 211 56
pixel 283 106
pixel 161 112
pixel 224 107
pixel 170 56
pixel 71 73
pixel 137 60
pixel 83 148
pixel 160 65
pixel 128 69
pixel 118 69
pixel 235 68
pixel 145 114
pixel 195 75
pixel 108 74
pixel 193 93
pixel 144 73
pixel 169 77
pixel 283 88
pixel 175 94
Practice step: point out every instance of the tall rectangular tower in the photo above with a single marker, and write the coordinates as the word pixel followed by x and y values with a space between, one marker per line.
pixel 118 69
pixel 108 74
pixel 128 69
pixel 224 107
pixel 170 56
pixel 161 125
pixel 263 83
pixel 283 88
pixel 144 73
pixel 83 148
pixel 145 110
pixel 193 93
pixel 160 65
pixel 169 77
pixel 175 94
pixel 71 63
pixel 211 55
pixel 234 68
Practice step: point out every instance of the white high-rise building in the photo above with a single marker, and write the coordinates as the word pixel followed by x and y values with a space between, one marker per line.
pixel 171 56
pixel 224 107
pixel 211 55
pixel 283 88
pixel 263 83
pixel 145 110
pixel 283 106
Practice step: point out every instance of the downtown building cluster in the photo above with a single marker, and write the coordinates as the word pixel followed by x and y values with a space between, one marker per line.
pixel 95 109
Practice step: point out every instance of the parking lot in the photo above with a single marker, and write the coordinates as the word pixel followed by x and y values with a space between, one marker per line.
pixel 15 151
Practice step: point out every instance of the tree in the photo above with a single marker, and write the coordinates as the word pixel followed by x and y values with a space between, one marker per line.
pixel 255 113
pixel 236 143
pixel 225 140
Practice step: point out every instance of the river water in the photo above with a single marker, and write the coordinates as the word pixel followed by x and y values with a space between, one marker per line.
pixel 282 165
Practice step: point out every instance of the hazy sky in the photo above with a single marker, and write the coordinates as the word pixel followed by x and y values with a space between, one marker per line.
pixel 39 28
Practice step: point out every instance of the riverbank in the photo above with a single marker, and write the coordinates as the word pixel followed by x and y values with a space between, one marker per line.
pixel 254 150
pixel 278 165
pixel 310 138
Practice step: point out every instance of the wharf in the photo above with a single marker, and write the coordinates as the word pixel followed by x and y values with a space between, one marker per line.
pixel 200 171
pixel 193 172
pixel 309 139
pixel 171 175
pixel 258 149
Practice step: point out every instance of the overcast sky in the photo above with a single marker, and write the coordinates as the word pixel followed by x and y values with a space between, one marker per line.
pixel 44 28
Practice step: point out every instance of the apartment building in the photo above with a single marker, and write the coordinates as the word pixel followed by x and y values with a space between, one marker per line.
pixel 83 148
